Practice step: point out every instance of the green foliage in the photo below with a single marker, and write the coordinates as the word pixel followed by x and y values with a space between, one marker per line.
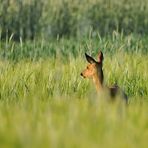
pixel 20 18
pixel 44 102
pixel 16 51
pixel 127 16
pixel 56 18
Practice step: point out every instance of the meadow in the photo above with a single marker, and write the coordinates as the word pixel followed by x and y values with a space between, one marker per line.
pixel 44 102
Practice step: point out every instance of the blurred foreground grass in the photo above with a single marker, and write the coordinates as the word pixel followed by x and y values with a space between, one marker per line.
pixel 45 103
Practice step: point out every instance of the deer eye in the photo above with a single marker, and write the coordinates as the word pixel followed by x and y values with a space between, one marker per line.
pixel 87 67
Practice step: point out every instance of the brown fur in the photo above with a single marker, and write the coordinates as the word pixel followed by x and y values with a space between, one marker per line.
pixel 94 71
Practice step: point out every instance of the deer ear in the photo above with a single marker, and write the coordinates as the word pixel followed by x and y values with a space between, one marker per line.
pixel 100 57
pixel 89 58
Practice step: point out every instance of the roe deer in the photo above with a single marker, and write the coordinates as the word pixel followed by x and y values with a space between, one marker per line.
pixel 94 71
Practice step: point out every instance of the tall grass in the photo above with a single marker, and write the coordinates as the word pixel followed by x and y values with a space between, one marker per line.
pixel 62 78
pixel 45 103
pixel 16 51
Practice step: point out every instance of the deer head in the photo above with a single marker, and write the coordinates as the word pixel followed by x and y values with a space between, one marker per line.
pixel 94 68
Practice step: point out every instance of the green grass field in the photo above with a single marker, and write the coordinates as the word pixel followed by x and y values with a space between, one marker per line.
pixel 44 102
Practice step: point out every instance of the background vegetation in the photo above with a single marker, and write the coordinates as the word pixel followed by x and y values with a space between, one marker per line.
pixel 44 102
pixel 52 18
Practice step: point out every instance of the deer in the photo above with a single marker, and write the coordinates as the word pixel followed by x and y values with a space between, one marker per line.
pixel 94 70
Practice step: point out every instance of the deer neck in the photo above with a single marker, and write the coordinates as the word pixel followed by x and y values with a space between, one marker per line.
pixel 98 81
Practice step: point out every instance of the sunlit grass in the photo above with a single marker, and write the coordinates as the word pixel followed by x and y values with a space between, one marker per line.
pixel 44 102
